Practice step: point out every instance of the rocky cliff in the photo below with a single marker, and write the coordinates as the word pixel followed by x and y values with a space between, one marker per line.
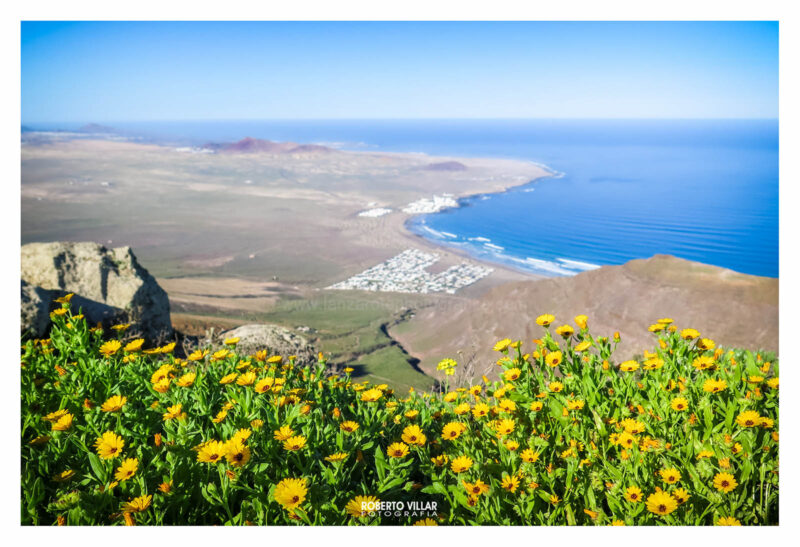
pixel 110 286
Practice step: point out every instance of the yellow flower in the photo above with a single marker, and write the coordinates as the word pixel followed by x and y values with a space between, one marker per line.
pixel 581 321
pixel 480 410
pixel 714 386
pixel 371 395
pixel 536 406
pixel 64 476
pixel 679 403
pixel 450 397
pixel 237 453
pixel 670 476
pixel 198 355
pixel 633 494
pixel 507 405
pixel 110 348
pixel 173 412
pixel 725 482
pixel 109 445
pixel 704 454
pixel 511 445
pixel 545 319
pixel 362 506
pixel 748 418
pixel 186 380
pixel 512 374
pixel 211 452
pixel 510 483
pixel 348 426
pixel 689 334
pixel 40 440
pixel 414 435
pixel 629 366
pixel 231 341
pixel 529 455
pixel 397 450
pixel 294 443
pixel 504 427
pixel 453 430
pixel 565 331
pixel 554 358
pixel 220 354
pixel 64 423
pixel 661 503
pixel 704 362
pixel 681 495
pixel 461 464
pixel 221 415
pixel 64 299
pixel 228 378
pixel 291 493
pixel 773 383
pixel 447 365
pixel 463 408
pixel 134 345
pixel 705 344
pixel 728 521
pixel 338 457
pixel 137 505
pixel 246 379
pixel 502 345
pixel 426 522
pixel 127 469
pixel 114 404
pixel 656 327
pixel 575 404
pixel 555 387
pixel 162 386
pixel 583 346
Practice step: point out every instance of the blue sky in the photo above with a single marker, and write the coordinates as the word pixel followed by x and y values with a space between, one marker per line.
pixel 105 72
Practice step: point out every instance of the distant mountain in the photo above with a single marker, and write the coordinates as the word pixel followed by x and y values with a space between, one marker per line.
pixel 96 128
pixel 446 166
pixel 250 145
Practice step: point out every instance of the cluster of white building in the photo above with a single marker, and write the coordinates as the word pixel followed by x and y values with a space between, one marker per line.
pixel 377 212
pixel 433 205
pixel 407 272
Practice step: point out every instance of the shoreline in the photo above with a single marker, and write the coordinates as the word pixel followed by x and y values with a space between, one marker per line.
pixel 469 251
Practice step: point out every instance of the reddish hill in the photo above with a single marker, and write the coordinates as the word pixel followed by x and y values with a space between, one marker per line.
pixel 250 145
pixel 446 166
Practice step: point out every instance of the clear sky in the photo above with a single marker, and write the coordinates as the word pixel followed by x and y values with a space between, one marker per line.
pixel 105 72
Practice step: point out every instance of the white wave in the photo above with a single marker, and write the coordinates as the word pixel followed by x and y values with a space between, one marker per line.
pixel 484 239
pixel 437 234
pixel 578 265
pixel 548 266
pixel 493 246
pixel 448 234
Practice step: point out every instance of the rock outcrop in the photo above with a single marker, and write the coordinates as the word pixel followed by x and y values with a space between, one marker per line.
pixel 278 340
pixel 109 286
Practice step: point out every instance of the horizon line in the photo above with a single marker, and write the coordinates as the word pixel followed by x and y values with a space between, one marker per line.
pixel 340 119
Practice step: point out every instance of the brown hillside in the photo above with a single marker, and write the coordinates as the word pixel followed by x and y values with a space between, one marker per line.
pixel 731 308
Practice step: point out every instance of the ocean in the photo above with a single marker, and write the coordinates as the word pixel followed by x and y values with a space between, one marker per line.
pixel 703 190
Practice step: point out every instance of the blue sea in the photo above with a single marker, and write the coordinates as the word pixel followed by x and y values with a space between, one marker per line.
pixel 704 190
